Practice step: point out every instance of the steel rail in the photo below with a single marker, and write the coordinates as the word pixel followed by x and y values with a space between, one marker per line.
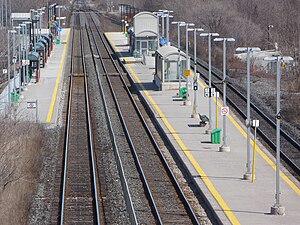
pixel 128 199
pixel 65 162
pixel 66 144
pixel 259 111
pixel 283 155
pixel 161 156
pixel 136 158
pixel 91 146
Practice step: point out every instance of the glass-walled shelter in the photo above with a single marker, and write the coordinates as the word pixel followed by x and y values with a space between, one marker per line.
pixel 169 65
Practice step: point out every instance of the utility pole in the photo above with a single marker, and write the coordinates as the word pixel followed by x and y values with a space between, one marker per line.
pixel 277 208
pixel 225 147
pixel 209 35
pixel 249 50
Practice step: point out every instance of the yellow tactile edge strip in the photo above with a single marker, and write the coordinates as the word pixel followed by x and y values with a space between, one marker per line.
pixel 194 162
pixel 53 99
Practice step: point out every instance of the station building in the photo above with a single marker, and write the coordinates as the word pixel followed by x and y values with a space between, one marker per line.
pixel 144 35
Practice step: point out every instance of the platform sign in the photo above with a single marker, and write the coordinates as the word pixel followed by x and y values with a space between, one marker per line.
pixel 25 62
pixel 4 71
pixel 31 105
pixel 187 72
pixel 209 92
pixel 224 111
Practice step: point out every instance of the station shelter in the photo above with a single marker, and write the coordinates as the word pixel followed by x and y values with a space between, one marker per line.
pixel 170 63
pixel 54 28
pixel 144 35
pixel 46 46
pixel 40 49
pixel 49 39
pixel 34 66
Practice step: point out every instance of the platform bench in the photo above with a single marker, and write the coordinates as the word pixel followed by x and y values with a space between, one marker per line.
pixel 203 120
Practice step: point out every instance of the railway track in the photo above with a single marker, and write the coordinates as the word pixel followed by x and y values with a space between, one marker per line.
pixel 166 200
pixel 290 148
pixel 79 189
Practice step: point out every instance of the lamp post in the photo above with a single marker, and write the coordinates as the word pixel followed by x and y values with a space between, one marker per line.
pixel 247 175
pixel 194 108
pixel 158 14
pixel 26 51
pixel 277 208
pixel 179 24
pixel 225 147
pixel 59 7
pixel 187 25
pixel 14 64
pixel 19 55
pixel 41 13
pixel 8 66
pixel 209 35
pixel 168 16
pixel 23 25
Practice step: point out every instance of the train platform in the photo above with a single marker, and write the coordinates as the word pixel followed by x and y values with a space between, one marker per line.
pixel 46 93
pixel 218 174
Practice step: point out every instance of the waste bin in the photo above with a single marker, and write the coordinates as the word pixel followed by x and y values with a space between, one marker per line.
pixel 12 95
pixel 136 54
pixel 215 136
pixel 182 92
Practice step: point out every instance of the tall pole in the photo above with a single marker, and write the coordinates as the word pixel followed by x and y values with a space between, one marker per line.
pixel 2 13
pixel 8 69
pixel 19 57
pixel 224 147
pixel 23 53
pixel 59 21
pixel 179 62
pixel 167 25
pixel 187 101
pixel 278 133
pixel 163 25
pixel 194 108
pixel 6 12
pixel 209 83
pixel 248 121
pixel 26 54
pixel 14 63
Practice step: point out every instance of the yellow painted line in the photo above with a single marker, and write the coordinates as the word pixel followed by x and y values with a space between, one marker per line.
pixel 194 162
pixel 53 99
pixel 259 150
pixel 189 155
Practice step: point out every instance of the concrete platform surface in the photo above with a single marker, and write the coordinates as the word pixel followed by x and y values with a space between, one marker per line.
pixel 47 91
pixel 218 174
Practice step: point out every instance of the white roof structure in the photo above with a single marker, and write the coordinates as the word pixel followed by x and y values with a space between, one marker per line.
pixel 145 24
pixel 20 16
pixel 170 52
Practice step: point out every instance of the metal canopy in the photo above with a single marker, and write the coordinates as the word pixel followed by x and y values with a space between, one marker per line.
pixel 33 56
pixel 166 51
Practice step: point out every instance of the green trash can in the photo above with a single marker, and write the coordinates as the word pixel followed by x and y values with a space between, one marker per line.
pixel 182 92
pixel 57 41
pixel 12 96
pixel 216 136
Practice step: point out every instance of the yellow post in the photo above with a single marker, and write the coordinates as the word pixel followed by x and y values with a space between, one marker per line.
pixel 217 95
pixel 255 124
pixel 254 157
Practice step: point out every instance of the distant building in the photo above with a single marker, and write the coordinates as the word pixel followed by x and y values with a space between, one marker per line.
pixel 144 33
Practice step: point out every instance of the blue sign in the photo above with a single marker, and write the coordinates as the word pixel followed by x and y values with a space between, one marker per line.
pixel 59 29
